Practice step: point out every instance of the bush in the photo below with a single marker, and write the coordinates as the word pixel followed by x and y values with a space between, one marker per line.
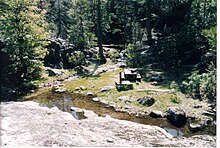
pixel 77 59
pixel 174 85
pixel 175 99
pixel 113 55
pixel 133 57
pixel 201 86
pixel 121 87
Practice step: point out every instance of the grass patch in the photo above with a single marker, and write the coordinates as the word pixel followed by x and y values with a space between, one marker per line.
pixel 95 83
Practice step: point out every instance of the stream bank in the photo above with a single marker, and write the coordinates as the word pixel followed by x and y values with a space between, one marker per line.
pixel 28 124
pixel 66 101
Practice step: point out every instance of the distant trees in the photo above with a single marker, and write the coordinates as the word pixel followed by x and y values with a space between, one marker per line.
pixel 57 16
pixel 171 33
pixel 80 25
pixel 202 84
pixel 24 32
pixel 86 25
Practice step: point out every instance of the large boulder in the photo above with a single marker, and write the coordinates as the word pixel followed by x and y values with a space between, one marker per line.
pixel 146 101
pixel 58 52
pixel 176 116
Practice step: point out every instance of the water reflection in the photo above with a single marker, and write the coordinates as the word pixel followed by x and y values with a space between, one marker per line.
pixel 173 131
pixel 65 101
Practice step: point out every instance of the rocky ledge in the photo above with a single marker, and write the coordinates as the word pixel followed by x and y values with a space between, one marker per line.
pixel 28 124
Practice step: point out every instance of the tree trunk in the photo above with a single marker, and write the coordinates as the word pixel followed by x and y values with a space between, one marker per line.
pixel 148 22
pixel 82 42
pixel 125 23
pixel 59 19
pixel 99 33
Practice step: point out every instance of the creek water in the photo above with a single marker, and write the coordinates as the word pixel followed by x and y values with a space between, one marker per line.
pixel 67 100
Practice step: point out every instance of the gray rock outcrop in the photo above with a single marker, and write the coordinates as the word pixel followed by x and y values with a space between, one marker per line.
pixel 26 124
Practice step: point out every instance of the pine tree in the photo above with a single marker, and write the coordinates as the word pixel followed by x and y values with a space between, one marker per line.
pixel 24 31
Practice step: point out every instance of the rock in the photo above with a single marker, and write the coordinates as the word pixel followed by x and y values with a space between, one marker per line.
pixel 82 87
pixel 176 116
pixel 89 94
pixel 60 79
pixel 125 99
pixel 202 121
pixel 54 72
pixel 156 114
pixel 77 113
pixel 63 130
pixel 57 51
pixel 197 106
pixel 61 85
pixel 55 87
pixel 110 140
pixel 194 127
pixel 77 89
pixel 47 84
pixel 127 107
pixel 90 114
pixel 207 138
pixel 107 88
pixel 95 99
pixel 146 101
pixel 157 78
pixel 60 90
pixel 208 113
pixel 122 65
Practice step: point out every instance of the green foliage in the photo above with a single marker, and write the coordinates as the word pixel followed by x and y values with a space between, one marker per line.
pixel 202 86
pixel 113 55
pixel 24 31
pixel 57 16
pixel 80 24
pixel 77 59
pixel 120 87
pixel 211 37
pixel 133 57
pixel 175 99
pixel 174 85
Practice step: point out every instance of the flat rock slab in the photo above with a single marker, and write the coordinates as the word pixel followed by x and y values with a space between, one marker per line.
pixel 28 124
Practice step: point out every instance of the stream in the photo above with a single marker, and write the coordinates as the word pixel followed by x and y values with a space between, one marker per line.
pixel 67 100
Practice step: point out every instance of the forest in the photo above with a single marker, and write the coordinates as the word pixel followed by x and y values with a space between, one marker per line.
pixel 167 34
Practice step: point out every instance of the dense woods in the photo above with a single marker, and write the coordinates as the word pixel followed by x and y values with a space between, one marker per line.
pixel 168 34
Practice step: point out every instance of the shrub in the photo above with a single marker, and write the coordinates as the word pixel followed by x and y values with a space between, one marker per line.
pixel 175 99
pixel 174 85
pixel 133 57
pixel 77 59
pixel 201 86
